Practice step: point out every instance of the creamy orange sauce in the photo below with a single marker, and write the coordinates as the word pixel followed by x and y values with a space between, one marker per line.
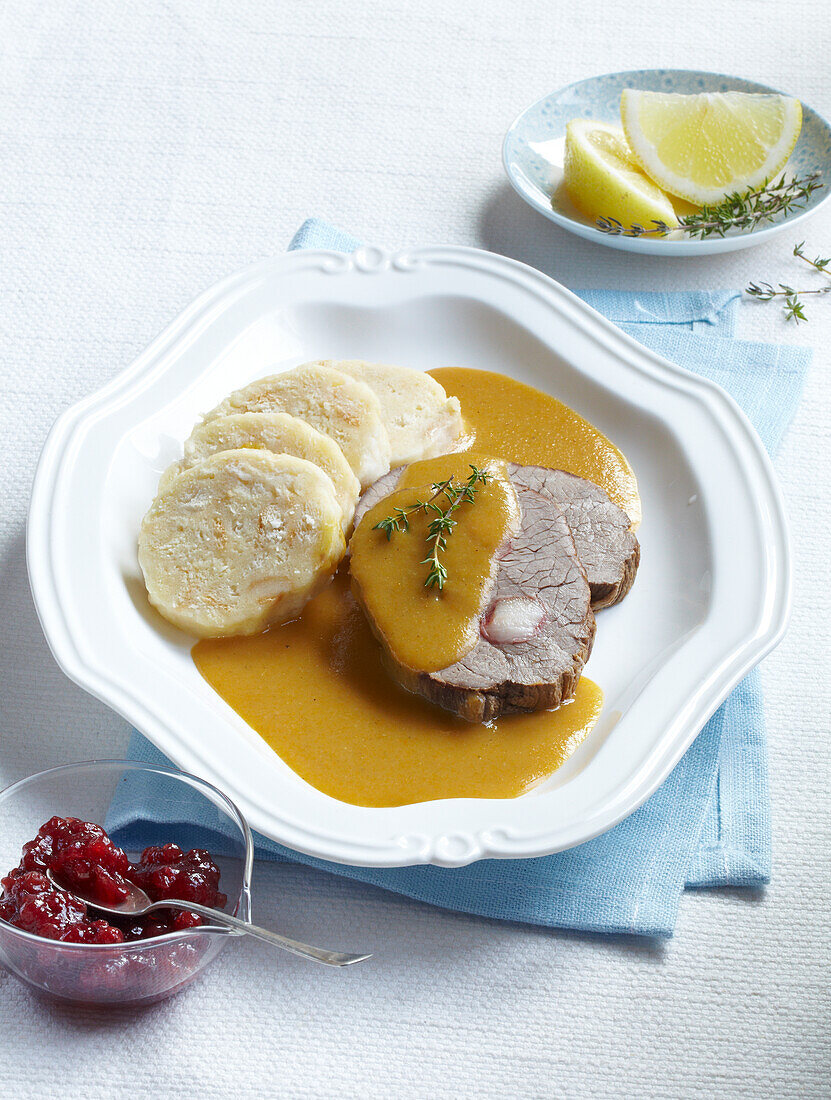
pixel 428 629
pixel 316 690
pixel 522 424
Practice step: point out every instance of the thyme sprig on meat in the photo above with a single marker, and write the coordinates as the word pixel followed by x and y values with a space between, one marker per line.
pixel 741 210
pixel 448 496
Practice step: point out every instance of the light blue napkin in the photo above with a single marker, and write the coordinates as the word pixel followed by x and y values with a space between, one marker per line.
pixel 709 824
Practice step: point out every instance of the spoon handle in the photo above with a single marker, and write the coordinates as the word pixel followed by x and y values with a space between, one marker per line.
pixel 304 950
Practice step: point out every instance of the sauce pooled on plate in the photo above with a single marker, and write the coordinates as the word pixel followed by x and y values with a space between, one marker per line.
pixel 316 689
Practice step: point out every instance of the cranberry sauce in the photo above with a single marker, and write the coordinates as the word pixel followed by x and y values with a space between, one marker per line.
pixel 82 857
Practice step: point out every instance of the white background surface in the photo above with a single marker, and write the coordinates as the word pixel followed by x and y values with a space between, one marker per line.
pixel 149 149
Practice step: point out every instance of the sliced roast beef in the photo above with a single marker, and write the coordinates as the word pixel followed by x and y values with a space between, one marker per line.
pixel 605 544
pixel 536 628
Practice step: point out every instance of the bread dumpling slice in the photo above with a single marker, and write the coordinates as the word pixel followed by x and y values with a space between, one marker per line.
pixel 421 420
pixel 335 404
pixel 240 541
pixel 279 433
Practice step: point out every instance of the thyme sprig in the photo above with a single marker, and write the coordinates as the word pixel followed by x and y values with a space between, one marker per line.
pixel 448 496
pixel 792 305
pixel 742 210
pixel 818 262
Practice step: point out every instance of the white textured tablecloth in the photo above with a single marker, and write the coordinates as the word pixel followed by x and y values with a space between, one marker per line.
pixel 149 149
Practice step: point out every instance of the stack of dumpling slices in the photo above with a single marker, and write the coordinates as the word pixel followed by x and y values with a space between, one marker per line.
pixel 252 521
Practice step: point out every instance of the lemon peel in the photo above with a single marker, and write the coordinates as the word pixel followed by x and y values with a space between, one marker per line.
pixel 604 180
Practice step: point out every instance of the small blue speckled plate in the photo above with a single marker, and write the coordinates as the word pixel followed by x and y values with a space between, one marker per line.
pixel 533 154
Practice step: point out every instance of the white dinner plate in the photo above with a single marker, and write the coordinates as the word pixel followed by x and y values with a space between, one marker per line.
pixel 710 599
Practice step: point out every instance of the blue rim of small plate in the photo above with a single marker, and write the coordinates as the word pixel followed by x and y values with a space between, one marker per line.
pixel 634 78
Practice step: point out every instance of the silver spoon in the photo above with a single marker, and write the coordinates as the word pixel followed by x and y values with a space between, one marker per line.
pixel 138 903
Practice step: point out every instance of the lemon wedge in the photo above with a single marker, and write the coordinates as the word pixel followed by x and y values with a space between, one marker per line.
pixel 705 147
pixel 603 178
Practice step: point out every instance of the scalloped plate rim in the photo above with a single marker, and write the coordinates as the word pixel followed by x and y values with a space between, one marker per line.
pixel 497 839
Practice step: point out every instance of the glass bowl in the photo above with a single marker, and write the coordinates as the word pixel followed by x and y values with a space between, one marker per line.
pixel 152 803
